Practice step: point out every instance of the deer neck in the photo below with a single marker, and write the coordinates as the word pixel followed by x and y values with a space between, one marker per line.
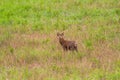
pixel 62 41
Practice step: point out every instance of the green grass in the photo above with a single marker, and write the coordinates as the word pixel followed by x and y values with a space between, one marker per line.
pixel 29 49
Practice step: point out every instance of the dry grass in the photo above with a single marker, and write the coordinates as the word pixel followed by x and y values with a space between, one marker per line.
pixel 42 51
pixel 29 48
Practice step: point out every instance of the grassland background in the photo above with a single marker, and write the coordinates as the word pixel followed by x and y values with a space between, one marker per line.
pixel 29 49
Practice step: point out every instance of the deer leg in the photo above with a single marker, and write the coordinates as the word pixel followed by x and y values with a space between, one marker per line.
pixel 67 48
pixel 76 49
pixel 71 47
pixel 64 48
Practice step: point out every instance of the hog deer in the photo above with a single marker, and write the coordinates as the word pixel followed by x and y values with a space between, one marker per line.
pixel 67 45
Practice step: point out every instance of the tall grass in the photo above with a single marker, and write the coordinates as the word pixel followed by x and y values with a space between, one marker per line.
pixel 30 50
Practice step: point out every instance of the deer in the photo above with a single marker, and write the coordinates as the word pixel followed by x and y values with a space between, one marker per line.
pixel 66 44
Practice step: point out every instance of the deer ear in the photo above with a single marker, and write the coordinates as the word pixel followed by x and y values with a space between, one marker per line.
pixel 62 33
pixel 58 33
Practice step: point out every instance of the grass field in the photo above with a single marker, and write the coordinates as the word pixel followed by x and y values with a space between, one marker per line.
pixel 29 48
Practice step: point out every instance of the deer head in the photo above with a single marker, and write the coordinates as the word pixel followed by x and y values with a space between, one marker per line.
pixel 60 35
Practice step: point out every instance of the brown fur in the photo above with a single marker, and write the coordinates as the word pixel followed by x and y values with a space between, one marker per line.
pixel 67 45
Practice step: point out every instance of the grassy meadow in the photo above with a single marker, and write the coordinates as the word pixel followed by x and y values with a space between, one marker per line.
pixel 29 48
